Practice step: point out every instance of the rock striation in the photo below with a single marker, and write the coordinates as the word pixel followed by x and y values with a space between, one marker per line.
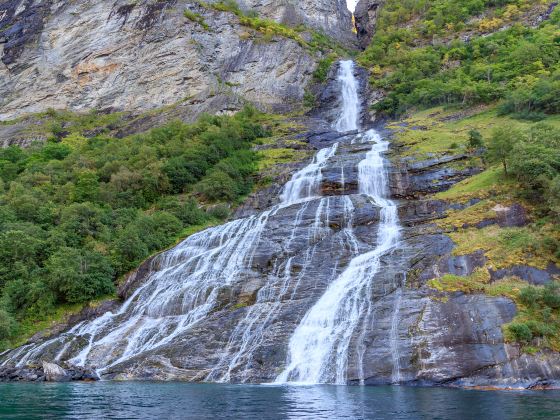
pixel 329 16
pixel 365 18
pixel 413 334
pixel 137 56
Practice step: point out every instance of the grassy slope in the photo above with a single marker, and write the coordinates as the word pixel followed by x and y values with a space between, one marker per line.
pixel 438 132
pixel 422 43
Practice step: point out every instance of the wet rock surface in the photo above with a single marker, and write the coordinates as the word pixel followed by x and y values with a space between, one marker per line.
pixel 414 334
pixel 46 372
pixel 365 17
pixel 291 254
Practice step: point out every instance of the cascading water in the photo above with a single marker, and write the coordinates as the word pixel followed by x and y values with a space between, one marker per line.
pixel 350 109
pixel 184 285
pixel 185 290
pixel 319 347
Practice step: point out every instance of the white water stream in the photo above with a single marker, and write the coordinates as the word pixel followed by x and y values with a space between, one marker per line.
pixel 184 289
pixel 185 283
pixel 319 347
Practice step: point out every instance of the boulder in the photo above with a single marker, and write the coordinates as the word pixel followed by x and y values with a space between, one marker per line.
pixel 54 373
pixel 514 215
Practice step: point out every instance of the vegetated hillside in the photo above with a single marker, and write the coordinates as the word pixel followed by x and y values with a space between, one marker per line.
pixel 77 213
pixel 86 196
pixel 477 83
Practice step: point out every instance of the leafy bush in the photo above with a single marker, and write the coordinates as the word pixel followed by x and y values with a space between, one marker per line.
pixel 76 215
pixel 518 64
pixel 521 332
pixel 7 325
pixel 219 212
pixel 77 276
pixel 322 71
pixel 540 315
pixel 475 140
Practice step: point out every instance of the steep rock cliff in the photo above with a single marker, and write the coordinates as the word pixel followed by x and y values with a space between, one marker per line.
pixel 365 17
pixel 329 16
pixel 137 56
pixel 413 334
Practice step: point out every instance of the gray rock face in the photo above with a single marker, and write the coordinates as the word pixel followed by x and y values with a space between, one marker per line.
pixel 138 56
pixel 413 334
pixel 529 274
pixel 54 373
pixel 46 372
pixel 418 179
pixel 365 17
pixel 463 265
pixel 329 16
pixel 329 99
pixel 514 215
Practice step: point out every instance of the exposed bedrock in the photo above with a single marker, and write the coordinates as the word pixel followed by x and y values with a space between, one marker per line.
pixel 365 17
pixel 137 56
pixel 414 334
pixel 223 304
pixel 329 16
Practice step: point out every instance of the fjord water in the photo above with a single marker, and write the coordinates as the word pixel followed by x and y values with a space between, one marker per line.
pixel 133 400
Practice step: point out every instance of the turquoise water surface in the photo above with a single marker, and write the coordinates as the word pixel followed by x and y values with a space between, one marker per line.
pixel 130 400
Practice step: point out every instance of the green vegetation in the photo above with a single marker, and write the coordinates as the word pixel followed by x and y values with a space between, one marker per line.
pixel 538 322
pixel 269 28
pixel 56 124
pixel 518 64
pixel 76 213
pixel 533 159
pixel 322 71
pixel 196 18
pixel 472 78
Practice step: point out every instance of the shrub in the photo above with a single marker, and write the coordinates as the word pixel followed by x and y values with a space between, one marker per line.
pixel 219 212
pixel 529 296
pixel 79 275
pixel 218 186
pixel 521 332
pixel 475 141
pixel 501 145
pixel 75 216
pixel 197 18
pixel 7 325
pixel 322 71
pixel 551 295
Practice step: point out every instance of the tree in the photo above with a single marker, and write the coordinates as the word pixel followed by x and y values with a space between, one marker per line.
pixel 218 186
pixel 7 325
pixel 79 275
pixel 501 145
pixel 475 141
pixel 86 188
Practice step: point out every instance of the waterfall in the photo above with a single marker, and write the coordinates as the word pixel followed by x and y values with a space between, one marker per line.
pixel 305 183
pixel 350 110
pixel 319 347
pixel 184 286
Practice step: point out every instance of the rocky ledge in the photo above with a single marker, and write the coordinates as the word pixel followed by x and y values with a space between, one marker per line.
pixel 47 372
pixel 142 55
